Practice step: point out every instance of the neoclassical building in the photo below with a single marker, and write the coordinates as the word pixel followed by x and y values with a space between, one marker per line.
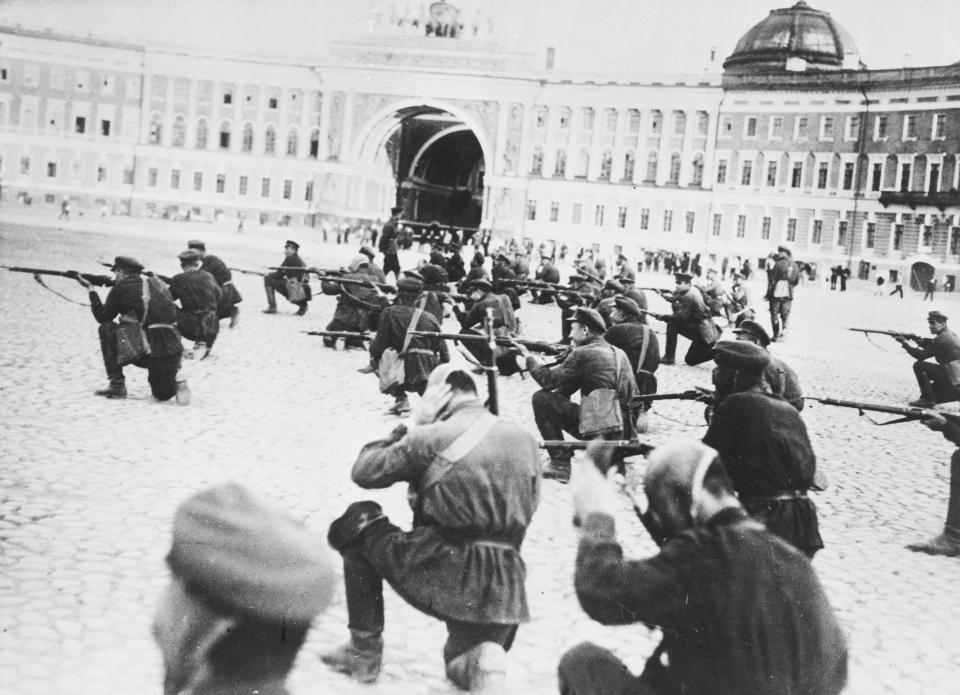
pixel 794 142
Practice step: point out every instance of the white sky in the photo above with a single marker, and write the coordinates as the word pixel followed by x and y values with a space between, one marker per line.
pixel 589 35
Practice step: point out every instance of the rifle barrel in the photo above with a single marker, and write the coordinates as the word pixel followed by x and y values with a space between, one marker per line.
pixel 93 279
pixel 578 445
pixel 911 412
pixel 248 272
pixel 340 334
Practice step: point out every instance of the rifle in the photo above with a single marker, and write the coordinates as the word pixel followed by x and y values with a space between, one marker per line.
pixel 452 296
pixel 629 447
pixel 340 334
pixel 358 283
pixel 893 334
pixel 906 414
pixel 248 272
pixel 658 290
pixel 531 345
pixel 697 394
pixel 658 317
pixel 97 280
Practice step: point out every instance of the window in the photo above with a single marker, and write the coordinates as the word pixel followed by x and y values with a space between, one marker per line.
pixel 128 175
pixel 179 132
pixel 696 176
pixel 633 121
pixel 679 123
pixel 803 128
pixel 611 120
pixel 910 128
pixel 722 171
pixel 656 122
pixel 272 103
pixel 198 180
pixel 270 141
pixel 876 177
pixel 853 128
pixel 152 177
pixel 717 222
pixel 175 179
pixel 554 212
pixel 826 128
pixel 202 133
pixel 3 74
pixel 287 189
pixel 314 143
pixel 765 228
pixel 228 96
pixel 955 242
pixel 645 218
pixel 792 229
pixel 560 165
pixel 750 127
pixel 629 166
pixel 541 117
pixel 927 239
pixel 746 173
pixel 823 171
pixel 848 176
pixel 308 191
pixel 80 125
pixel 690 221
pixel 817 231
pixel 293 141
pixel 536 162
pixel 771 173
pixel 246 140
pixel 934 184
pixel 741 226
pixel 105 127
pixel 221 183
pixel 897 237
pixel 726 127
pixel 606 165
pixel 675 168
pixel 51 170
pixel 576 213
pixel 651 167
pixel 101 173
pixel 796 176
pixel 871 235
pixel 622 217
pixel 668 220
pixel 776 127
pixel 587 115
pixel 939 126
pixel 905 171
pixel 703 123
pixel 24 166
pixel 242 188
pixel 598 216
pixel 842 233
pixel 880 128
pixel 265 188
pixel 225 136
pixel 564 118
pixel 583 164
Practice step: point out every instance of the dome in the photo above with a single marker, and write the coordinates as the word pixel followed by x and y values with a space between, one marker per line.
pixel 791 38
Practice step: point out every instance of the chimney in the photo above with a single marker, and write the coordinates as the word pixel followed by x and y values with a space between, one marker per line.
pixel 551 53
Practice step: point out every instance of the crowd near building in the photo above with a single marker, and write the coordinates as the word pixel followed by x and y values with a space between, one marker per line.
pixel 794 142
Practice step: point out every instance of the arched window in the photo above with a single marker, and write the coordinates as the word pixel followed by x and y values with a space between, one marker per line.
pixel 246 143
pixel 675 167
pixel 696 178
pixel 179 131
pixel 606 165
pixel 629 166
pixel 270 141
pixel 651 167
pixel 202 134
pixel 225 135
pixel 314 143
pixel 536 162
pixel 560 166
pixel 583 164
pixel 156 129
pixel 292 141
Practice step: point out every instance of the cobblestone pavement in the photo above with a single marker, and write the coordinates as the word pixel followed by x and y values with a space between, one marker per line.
pixel 90 485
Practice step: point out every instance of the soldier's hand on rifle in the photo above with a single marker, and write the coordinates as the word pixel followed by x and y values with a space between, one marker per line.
pixel 935 421
pixel 592 491
pixel 83 282
pixel 522 349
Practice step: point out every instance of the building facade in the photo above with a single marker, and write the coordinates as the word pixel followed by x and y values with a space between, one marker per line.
pixel 795 143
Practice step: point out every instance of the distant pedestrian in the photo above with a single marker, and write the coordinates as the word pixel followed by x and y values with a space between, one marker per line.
pixel 880 281
pixel 897 287
pixel 388 243
pixel 931 289
pixel 64 210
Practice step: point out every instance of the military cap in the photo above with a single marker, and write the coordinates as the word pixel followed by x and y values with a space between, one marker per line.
pixel 408 283
pixel 415 274
pixel 784 249
pixel 621 257
pixel 196 244
pixel 612 284
pixel 624 279
pixel 741 356
pixel 127 263
pixel 590 318
pixel 755 329
pixel 292 244
pixel 936 316
pixel 736 274
pixel 432 274
pixel 189 256
pixel 396 210
pixel 480 284
pixel 502 257
pixel 368 252
pixel 249 557
pixel 682 277
pixel 577 278
pixel 628 307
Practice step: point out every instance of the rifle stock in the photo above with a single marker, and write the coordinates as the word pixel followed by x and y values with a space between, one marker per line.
pixel 532 345
pixel 97 280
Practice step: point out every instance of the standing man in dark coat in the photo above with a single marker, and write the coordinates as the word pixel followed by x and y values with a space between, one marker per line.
pixel 778 377
pixel 388 243
pixel 141 300
pixel 691 319
pixel 742 612
pixel 420 355
pixel 230 296
pixel 198 294
pixel 592 364
pixel 940 382
pixel 474 484
pixel 286 281
pixel 781 279
pixel 764 446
